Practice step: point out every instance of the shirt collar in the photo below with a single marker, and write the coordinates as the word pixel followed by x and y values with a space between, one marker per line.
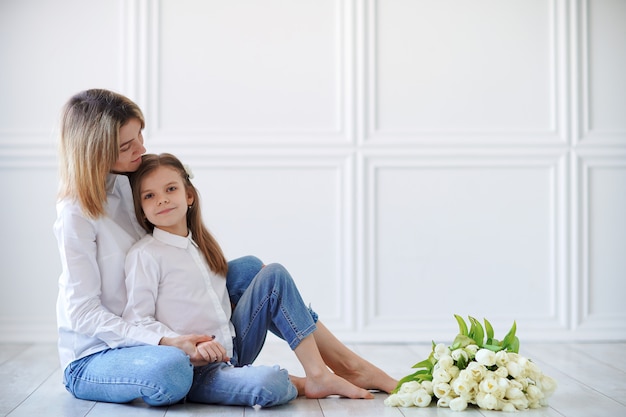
pixel 113 180
pixel 172 239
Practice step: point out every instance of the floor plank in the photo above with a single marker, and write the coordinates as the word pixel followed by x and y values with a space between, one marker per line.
pixel 591 378
pixel 24 373
pixel 51 399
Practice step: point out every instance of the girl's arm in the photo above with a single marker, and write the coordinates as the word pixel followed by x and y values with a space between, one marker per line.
pixel 142 286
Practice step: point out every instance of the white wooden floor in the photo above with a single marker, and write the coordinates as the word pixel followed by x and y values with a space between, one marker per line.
pixel 591 377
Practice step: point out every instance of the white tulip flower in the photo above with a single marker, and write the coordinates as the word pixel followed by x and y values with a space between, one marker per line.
pixel 428 387
pixel 548 385
pixel 458 404
pixel 534 393
pixel 488 385
pixel 441 389
pixel 392 401
pixel 410 386
pixel 406 399
pixel 441 375
pixel 514 369
pixel 477 370
pixel 458 354
pixel 513 393
pixel 444 401
pixel 486 401
pixel 421 398
pixel 520 403
pixel 446 362
pixel 502 358
pixel 486 357
pixel 471 350
pixel 502 372
pixel 440 351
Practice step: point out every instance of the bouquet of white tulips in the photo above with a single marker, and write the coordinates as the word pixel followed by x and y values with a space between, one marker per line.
pixel 476 369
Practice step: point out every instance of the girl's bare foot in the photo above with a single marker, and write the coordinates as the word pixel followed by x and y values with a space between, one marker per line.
pixel 327 383
pixel 298 382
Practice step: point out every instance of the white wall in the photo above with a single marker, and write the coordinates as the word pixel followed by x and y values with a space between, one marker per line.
pixel 406 160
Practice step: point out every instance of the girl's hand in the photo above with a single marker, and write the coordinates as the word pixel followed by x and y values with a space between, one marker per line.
pixel 212 351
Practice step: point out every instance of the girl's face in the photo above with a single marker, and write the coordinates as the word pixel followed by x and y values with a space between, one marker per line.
pixel 131 148
pixel 164 200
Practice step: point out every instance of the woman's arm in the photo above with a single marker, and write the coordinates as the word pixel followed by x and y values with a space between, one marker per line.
pixel 87 305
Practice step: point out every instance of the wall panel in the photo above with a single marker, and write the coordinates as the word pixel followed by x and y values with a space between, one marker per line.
pixel 603 60
pixel 406 160
pixel 451 72
pixel 259 72
pixel 602 181
pixel 467 234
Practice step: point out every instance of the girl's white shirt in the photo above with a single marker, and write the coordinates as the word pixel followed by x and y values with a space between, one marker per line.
pixel 169 283
pixel 92 293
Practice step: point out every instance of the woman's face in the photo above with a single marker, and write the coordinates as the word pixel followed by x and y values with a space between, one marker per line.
pixel 131 148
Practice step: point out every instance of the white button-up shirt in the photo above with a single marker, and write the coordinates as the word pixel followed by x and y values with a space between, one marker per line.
pixel 92 294
pixel 169 283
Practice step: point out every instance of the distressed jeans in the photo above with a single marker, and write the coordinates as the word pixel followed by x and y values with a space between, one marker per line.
pixel 266 299
pixel 270 302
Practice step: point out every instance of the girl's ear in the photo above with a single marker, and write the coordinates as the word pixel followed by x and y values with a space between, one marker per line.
pixel 189 199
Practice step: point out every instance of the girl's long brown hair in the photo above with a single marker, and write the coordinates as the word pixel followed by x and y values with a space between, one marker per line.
pixel 205 241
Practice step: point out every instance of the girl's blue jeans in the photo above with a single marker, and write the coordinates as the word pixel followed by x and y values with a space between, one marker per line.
pixel 266 299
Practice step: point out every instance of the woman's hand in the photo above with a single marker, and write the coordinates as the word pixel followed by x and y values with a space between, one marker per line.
pixel 188 344
pixel 212 351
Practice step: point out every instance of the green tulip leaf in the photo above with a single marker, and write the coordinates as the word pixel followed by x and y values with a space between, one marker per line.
pixel 488 329
pixel 510 337
pixel 514 347
pixel 461 341
pixel 495 348
pixel 476 332
pixel 426 363
pixel 462 325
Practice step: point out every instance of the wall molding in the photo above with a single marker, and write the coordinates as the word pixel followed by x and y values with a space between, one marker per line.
pixel 556 134
pixel 147 24
pixel 587 133
pixel 584 319
pixel 555 162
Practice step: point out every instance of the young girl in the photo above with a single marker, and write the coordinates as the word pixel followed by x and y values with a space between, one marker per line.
pixel 176 284
pixel 103 357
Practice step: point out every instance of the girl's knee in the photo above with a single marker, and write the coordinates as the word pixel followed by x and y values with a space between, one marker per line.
pixel 278 272
pixel 241 272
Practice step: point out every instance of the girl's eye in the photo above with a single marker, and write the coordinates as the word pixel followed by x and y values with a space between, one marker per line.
pixel 172 188
pixel 147 196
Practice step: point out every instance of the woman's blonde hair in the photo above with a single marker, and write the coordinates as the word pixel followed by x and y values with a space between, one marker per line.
pixel 89 145
pixel 205 241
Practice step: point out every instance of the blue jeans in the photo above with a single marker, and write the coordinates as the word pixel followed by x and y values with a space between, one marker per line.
pixel 161 375
pixel 267 299
pixel 271 302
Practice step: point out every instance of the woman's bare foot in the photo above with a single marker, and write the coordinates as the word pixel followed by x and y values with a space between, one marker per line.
pixel 327 383
pixel 350 366
pixel 369 377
